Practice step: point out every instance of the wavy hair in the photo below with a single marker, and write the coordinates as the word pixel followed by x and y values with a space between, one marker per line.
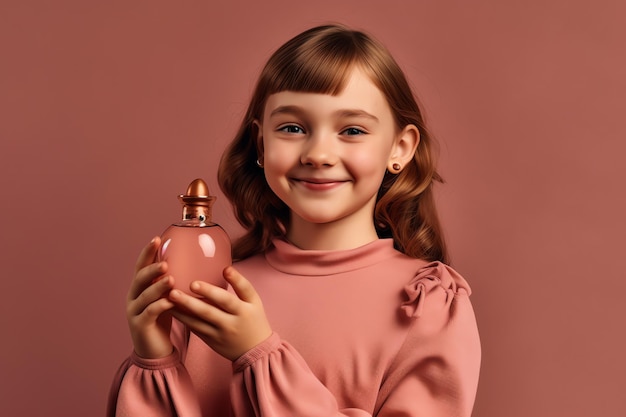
pixel 320 60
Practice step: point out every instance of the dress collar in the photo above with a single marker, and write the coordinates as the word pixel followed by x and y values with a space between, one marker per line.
pixel 287 258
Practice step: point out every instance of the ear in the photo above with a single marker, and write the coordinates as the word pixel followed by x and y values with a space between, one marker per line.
pixel 257 130
pixel 404 148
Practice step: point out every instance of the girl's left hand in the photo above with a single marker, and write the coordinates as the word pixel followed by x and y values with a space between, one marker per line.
pixel 231 324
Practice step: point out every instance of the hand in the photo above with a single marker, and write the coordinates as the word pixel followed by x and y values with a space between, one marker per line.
pixel 231 324
pixel 147 306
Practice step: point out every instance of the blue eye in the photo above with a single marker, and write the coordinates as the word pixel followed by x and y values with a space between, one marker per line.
pixel 291 129
pixel 352 131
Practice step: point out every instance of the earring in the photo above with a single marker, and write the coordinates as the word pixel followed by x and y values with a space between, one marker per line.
pixel 259 163
pixel 396 167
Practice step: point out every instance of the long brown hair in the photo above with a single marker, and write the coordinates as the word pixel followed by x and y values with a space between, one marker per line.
pixel 320 60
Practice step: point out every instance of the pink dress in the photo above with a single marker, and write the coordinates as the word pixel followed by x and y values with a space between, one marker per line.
pixel 361 332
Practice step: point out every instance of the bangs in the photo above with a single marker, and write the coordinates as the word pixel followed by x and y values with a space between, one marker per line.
pixel 317 65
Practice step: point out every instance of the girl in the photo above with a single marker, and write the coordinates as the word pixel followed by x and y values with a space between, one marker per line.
pixel 340 302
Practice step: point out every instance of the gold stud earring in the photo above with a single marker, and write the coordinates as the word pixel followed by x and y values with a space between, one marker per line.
pixel 396 167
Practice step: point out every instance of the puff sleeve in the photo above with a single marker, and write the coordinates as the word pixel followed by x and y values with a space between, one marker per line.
pixel 436 370
pixel 155 387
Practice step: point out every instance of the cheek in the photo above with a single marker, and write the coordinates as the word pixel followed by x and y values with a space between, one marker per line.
pixel 281 154
pixel 368 161
pixel 278 160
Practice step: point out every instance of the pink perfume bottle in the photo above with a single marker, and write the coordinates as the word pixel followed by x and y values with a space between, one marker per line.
pixel 195 249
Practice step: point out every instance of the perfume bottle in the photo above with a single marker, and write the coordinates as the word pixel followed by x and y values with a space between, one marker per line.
pixel 195 249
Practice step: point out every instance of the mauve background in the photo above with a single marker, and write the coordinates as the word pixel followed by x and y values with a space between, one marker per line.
pixel 108 110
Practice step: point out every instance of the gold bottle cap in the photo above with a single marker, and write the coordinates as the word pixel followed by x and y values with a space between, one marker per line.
pixel 197 194
pixel 197 202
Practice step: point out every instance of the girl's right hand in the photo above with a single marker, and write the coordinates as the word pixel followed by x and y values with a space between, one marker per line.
pixel 147 305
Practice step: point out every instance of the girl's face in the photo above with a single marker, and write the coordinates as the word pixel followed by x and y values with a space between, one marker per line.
pixel 325 156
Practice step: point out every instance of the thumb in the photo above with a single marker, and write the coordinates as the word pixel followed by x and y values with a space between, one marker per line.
pixel 242 287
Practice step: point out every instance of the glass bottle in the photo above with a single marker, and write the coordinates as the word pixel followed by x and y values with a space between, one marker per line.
pixel 195 249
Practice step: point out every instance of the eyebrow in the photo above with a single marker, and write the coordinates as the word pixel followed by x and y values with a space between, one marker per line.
pixel 343 113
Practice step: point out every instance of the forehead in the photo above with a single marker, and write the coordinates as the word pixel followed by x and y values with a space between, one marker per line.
pixel 359 93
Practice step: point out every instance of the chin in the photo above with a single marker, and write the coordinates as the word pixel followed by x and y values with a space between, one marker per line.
pixel 317 218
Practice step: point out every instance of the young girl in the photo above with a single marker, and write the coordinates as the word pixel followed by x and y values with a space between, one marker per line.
pixel 340 302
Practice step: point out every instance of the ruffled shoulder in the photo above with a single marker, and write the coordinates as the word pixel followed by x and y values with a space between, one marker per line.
pixel 435 277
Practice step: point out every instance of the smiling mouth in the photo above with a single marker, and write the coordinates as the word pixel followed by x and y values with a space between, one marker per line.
pixel 316 184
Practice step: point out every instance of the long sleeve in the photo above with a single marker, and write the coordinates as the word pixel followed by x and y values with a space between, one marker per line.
pixel 273 380
pixel 154 387
pixel 434 373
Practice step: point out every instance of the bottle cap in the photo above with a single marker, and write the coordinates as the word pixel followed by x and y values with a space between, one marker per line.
pixel 197 194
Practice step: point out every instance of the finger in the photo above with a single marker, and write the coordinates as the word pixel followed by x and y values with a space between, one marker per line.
pixel 217 296
pixel 196 325
pixel 150 295
pixel 155 309
pixel 146 257
pixel 243 288
pixel 198 308
pixel 146 277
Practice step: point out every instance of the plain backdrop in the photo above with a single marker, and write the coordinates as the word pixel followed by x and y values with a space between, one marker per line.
pixel 108 109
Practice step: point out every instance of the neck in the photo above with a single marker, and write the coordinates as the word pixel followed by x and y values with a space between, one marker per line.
pixel 330 236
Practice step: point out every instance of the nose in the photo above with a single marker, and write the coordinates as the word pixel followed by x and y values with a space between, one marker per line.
pixel 319 151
